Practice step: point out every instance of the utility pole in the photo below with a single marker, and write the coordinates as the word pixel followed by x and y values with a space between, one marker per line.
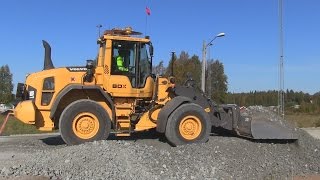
pixel 209 78
pixel 204 60
pixel 203 72
pixel 281 64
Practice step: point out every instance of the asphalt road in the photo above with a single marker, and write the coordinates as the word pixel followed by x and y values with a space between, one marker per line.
pixel 314 132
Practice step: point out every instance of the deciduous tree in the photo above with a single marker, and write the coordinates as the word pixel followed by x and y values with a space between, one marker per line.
pixel 217 81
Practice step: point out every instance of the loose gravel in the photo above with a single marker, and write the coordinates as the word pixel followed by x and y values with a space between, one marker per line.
pixel 222 157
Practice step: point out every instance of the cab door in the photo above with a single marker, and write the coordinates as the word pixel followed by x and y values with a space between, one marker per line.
pixel 130 70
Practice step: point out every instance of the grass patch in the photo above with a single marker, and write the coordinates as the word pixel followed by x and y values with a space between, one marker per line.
pixel 303 120
pixel 14 126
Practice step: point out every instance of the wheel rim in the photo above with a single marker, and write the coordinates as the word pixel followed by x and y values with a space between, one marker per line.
pixel 85 125
pixel 190 127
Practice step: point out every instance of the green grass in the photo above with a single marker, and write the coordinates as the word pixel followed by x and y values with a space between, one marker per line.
pixel 304 120
pixel 14 126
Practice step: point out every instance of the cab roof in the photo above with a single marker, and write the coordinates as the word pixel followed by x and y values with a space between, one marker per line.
pixel 126 34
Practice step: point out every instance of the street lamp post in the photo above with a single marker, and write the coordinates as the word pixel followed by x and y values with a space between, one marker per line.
pixel 99 26
pixel 204 60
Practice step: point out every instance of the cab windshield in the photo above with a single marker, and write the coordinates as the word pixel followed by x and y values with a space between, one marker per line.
pixel 131 59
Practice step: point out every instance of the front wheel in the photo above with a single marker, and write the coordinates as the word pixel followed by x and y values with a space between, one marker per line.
pixel 83 121
pixel 189 123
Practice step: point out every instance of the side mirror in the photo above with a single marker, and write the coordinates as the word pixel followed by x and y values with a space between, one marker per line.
pixel 20 91
pixel 90 71
pixel 151 50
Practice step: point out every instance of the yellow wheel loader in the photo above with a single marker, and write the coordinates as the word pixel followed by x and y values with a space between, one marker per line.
pixel 87 102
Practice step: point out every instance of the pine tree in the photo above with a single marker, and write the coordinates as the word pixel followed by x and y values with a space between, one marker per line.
pixel 6 85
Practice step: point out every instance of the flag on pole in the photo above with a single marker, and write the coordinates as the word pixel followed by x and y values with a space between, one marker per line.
pixel 148 11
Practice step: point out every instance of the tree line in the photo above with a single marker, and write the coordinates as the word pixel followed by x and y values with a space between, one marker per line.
pixel 217 89
pixel 294 101
pixel 185 66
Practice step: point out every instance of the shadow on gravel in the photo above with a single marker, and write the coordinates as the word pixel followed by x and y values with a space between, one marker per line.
pixel 53 141
pixel 151 134
pixel 274 141
pixel 225 133
pixel 137 136
pixel 153 137
pixel 218 131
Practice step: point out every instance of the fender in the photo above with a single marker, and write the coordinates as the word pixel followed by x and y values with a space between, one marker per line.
pixel 68 88
pixel 167 109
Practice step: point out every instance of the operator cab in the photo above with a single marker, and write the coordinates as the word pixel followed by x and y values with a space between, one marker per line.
pixel 127 63
pixel 131 59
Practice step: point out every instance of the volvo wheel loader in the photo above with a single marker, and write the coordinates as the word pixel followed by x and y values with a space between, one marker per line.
pixel 87 102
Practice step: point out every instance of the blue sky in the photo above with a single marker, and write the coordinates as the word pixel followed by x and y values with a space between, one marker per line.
pixel 249 51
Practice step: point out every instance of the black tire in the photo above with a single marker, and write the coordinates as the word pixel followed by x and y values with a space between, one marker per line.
pixel 178 122
pixel 84 121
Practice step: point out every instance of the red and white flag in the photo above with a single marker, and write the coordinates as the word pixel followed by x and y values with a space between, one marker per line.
pixel 148 11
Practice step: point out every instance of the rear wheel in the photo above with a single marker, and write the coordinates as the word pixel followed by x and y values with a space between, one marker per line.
pixel 189 123
pixel 84 121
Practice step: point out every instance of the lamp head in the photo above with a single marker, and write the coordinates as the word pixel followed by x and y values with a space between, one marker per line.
pixel 220 34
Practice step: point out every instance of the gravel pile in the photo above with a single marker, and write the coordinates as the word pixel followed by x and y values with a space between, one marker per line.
pixel 222 157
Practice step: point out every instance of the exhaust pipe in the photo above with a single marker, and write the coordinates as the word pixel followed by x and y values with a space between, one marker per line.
pixel 47 56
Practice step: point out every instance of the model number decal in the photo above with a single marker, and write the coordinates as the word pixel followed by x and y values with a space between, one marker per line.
pixel 119 86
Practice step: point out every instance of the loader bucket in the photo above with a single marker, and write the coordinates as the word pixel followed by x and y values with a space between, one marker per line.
pixel 257 124
pixel 262 129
